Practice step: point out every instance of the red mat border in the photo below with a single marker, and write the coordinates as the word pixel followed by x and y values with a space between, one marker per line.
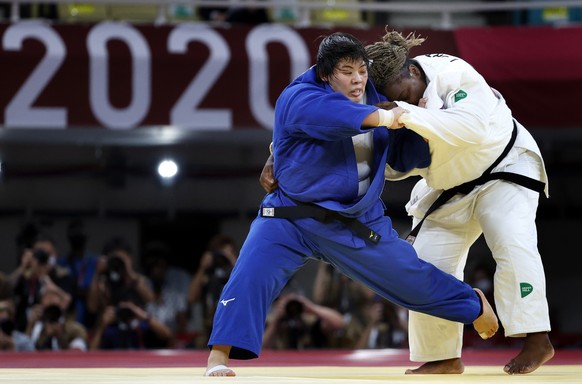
pixel 197 358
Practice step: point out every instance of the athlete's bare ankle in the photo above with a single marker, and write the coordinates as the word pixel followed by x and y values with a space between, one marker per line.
pixel 219 355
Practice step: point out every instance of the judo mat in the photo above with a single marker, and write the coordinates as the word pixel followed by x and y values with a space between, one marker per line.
pixel 277 367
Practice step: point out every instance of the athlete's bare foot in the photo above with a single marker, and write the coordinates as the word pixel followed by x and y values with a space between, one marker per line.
pixel 536 350
pixel 487 324
pixel 449 366
pixel 217 362
pixel 219 370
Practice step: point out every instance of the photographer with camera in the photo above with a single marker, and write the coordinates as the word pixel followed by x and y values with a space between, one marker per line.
pixel 115 279
pixel 298 323
pixel 386 326
pixel 128 326
pixel 51 329
pixel 31 280
pixel 60 275
pixel 118 296
pixel 216 264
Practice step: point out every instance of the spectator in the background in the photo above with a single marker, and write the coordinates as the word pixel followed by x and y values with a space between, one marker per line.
pixel 386 326
pixel 16 280
pixel 81 265
pixel 298 323
pixel 117 297
pixel 170 286
pixel 51 329
pixel 10 338
pixel 60 275
pixel 352 299
pixel 30 281
pixel 129 326
pixel 115 279
pixel 216 264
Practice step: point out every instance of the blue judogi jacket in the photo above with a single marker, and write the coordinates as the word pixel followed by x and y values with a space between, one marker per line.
pixel 314 155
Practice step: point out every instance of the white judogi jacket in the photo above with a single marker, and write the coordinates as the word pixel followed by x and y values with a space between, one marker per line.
pixel 467 125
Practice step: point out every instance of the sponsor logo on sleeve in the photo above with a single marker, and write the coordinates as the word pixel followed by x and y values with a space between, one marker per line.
pixel 525 289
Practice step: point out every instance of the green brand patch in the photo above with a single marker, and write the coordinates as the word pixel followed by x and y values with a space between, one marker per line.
pixel 460 95
pixel 525 289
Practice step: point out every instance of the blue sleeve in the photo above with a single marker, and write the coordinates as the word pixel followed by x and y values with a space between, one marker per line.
pixel 407 150
pixel 313 112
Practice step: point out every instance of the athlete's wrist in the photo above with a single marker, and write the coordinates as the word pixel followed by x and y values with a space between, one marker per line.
pixel 385 118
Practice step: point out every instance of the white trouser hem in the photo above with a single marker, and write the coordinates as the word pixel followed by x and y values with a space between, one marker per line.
pixel 523 332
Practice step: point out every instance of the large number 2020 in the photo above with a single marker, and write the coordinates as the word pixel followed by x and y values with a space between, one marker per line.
pixel 20 112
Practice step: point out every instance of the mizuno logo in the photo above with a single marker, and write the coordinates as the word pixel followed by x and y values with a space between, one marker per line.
pixel 224 302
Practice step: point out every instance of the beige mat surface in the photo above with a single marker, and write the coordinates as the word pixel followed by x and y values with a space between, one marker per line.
pixel 280 375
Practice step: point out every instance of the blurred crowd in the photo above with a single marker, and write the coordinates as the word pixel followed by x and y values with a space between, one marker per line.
pixel 77 299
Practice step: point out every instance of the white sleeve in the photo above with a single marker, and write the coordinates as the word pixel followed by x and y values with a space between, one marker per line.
pixel 391 174
pixel 466 101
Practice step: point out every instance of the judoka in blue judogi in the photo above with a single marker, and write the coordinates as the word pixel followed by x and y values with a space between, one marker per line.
pixel 331 145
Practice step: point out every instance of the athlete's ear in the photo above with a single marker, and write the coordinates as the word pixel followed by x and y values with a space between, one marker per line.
pixel 414 71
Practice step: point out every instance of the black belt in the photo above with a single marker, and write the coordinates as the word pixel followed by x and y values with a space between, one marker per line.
pixel 323 215
pixel 467 187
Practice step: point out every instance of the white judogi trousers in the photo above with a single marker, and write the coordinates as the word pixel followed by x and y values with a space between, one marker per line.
pixel 505 213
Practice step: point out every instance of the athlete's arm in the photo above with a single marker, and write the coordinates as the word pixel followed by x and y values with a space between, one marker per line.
pixel 267 179
pixel 387 118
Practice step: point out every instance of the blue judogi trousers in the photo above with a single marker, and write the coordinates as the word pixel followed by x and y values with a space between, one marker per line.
pixel 276 248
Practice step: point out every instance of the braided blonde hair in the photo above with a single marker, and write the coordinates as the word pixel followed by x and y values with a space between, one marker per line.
pixel 387 57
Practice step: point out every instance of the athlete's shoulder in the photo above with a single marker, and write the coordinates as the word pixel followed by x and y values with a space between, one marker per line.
pixel 437 58
pixel 442 64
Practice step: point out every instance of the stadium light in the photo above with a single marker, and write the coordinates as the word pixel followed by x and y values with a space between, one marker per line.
pixel 167 170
